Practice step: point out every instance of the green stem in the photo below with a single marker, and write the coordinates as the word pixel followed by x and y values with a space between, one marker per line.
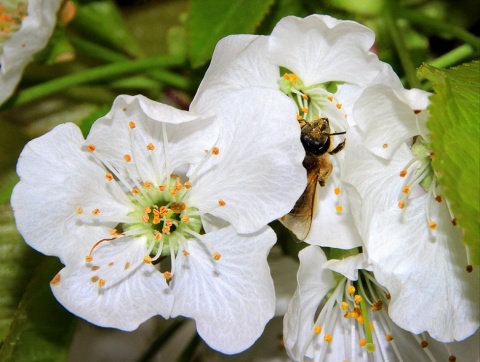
pixel 110 56
pixel 453 57
pixel 101 73
pixel 439 26
pixel 398 40
pixel 366 323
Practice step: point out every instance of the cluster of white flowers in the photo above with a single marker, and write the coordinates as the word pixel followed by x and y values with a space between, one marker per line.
pixel 165 212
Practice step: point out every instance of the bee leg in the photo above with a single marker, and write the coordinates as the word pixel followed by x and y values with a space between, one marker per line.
pixel 337 149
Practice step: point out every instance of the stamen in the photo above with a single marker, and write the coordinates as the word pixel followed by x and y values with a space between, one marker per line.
pixel 215 151
pixel 216 256
pixel 432 225
pixel 337 190
pixel 339 208
pixel 221 203
pixel 127 158
pixel 79 210
pixel 109 176
pixel 317 329
pixel 150 147
pixel 328 338
pixel 91 147
pixel 132 125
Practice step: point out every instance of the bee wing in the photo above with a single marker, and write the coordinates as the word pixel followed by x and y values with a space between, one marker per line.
pixel 299 220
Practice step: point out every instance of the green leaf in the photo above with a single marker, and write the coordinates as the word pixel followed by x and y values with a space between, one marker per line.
pixel 42 329
pixel 455 134
pixel 17 262
pixel 211 20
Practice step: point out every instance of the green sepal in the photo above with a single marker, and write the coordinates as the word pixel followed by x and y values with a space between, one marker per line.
pixel 455 134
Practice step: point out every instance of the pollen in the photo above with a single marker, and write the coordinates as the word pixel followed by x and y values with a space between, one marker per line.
pixel 216 256
pixel 438 198
pixel 91 147
pixel 147 209
pixel 147 184
pixel 95 268
pixel 299 117
pixel 358 298
pixel 360 319
pixel 328 338
pixel 166 230
pixel 188 185
pixel 186 253
pixel 304 96
pixel 377 306
pixel 424 344
pixel 127 157
pixel 330 98
pixel 79 210
pixel 167 275
pixel 145 218
pixel 337 190
pixel 339 208
pixel 178 207
pixel 109 176
pixel 389 337
pixel 305 110
pixel 317 329
pixel 162 187
pixel 406 189
pixel 432 225
pixel 88 258
pixel 385 145
pixel 56 279
pixel 95 279
pixel 215 150
pixel 185 219
pixel 147 259
pixel 150 147
pixel 344 305
pixel 221 203
pixel 158 236
pixel 403 173
pixel 347 315
pixel 339 105
pixel 96 212
pixel 101 282
pixel 127 265
pixel 401 204
pixel 351 289
pixel 132 125
pixel 135 191
pixel 362 342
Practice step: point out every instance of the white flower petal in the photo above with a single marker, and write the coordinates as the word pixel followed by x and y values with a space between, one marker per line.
pixel 258 171
pixel 239 61
pixel 133 292
pixel 55 172
pixel 425 273
pixel 320 49
pixel 230 299
pixel 387 121
pixel 349 266
pixel 32 36
pixel 114 137
pixel 314 283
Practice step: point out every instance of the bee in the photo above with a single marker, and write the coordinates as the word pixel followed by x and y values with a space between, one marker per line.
pixel 317 141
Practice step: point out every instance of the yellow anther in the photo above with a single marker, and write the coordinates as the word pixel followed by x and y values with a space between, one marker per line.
pixel 185 219
pixel 113 232
pixel 188 185
pixel 317 329
pixel 169 222
pixel 221 202
pixel 150 147
pixel 109 176
pixel 186 253
pixel 110 264
pixel 360 319
pixel 215 150
pixel 401 204
pixel 101 282
pixel 357 298
pixel 432 225
pixel 127 157
pixel 147 184
pixel 389 337
pixel 158 236
pixel 96 212
pixel 351 289
pixel 178 207
pixel 305 110
pixel 145 218
pixel 406 189
pixel 339 105
pixel 216 256
pixel 79 210
pixel 362 342
pixel 166 230
pixel 95 279
pixel 135 191
pixel 56 279
pixel 424 344
pixel 304 96
pixel 95 268
pixel 403 173
pixel 88 258
pixel 162 187
pixel 356 312
pixel 347 315
pixel 132 125
pixel 337 190
pixel 147 209
pixel 328 338
pixel 127 265
pixel 339 208
pixel 377 306
pixel 344 305
pixel 385 145
pixel 91 147
pixel 147 259
pixel 299 117
pixel 330 98
pixel 167 275
pixel 283 218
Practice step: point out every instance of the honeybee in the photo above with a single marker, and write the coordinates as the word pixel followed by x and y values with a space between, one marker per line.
pixel 318 144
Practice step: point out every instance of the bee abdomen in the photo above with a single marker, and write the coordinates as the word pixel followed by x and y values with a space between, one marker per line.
pixel 316 146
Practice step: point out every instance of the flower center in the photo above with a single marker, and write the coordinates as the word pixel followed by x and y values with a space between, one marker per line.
pixel 12 13
pixel 315 101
